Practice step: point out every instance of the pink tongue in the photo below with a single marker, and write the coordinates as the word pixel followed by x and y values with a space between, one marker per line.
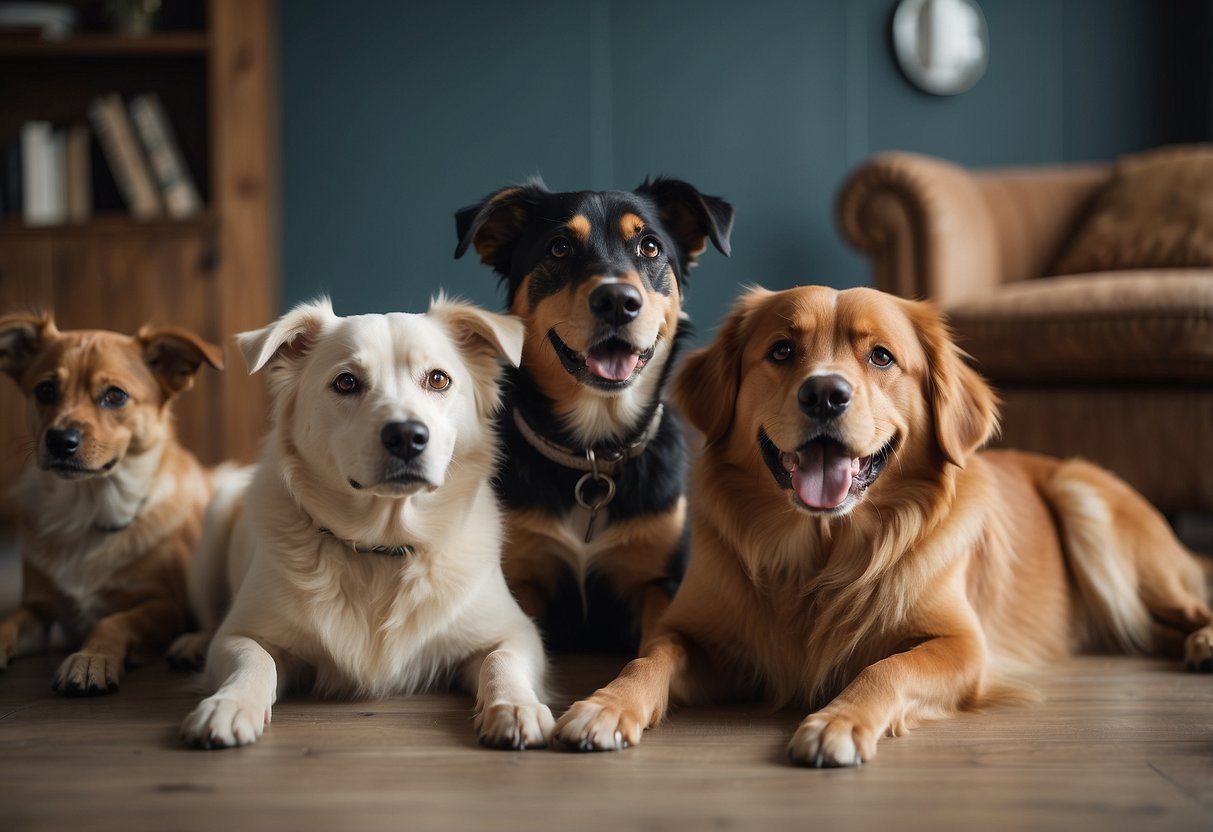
pixel 614 365
pixel 822 476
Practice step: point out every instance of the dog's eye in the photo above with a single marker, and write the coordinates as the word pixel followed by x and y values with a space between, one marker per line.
pixel 114 397
pixel 46 392
pixel 880 357
pixel 438 380
pixel 781 351
pixel 649 247
pixel 560 247
pixel 346 384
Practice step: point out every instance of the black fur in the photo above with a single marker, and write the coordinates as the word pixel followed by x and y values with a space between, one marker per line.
pixel 513 230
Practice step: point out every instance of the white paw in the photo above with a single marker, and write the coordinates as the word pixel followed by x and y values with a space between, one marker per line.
pixel 827 741
pixel 224 723
pixel 188 652
pixel 596 725
pixel 515 726
pixel 88 674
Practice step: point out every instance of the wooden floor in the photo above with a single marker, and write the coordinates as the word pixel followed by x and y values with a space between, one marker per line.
pixel 1119 744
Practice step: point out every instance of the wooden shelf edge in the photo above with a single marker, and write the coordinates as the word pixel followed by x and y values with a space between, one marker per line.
pixel 108 224
pixel 157 44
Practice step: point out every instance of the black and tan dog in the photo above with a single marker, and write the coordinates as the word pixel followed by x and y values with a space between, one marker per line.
pixel 595 465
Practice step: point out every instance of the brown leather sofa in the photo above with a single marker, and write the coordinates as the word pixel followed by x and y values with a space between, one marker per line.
pixel 1114 366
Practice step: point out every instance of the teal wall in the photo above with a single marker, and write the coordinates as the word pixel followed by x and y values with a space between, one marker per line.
pixel 394 114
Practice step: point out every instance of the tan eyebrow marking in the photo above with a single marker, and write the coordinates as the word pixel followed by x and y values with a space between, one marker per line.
pixel 630 225
pixel 579 227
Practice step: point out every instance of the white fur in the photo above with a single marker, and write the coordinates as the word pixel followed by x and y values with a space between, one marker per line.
pixel 308 610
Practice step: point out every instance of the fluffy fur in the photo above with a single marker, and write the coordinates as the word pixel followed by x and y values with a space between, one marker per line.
pixel 110 505
pixel 311 606
pixel 855 555
pixel 599 277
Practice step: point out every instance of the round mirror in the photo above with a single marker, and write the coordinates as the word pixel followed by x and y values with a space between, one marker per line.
pixel 942 45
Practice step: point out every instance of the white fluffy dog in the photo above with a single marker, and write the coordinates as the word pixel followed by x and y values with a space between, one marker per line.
pixel 361 555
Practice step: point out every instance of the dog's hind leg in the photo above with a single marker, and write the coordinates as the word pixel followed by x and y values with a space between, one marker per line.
pixel 1140 589
pixel 508 683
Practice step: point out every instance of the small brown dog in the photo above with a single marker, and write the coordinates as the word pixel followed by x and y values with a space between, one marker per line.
pixel 852 553
pixel 111 505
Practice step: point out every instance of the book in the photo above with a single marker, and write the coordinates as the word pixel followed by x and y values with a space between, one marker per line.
pixel 79 173
pixel 122 152
pixel 57 177
pixel 164 156
pixel 37 174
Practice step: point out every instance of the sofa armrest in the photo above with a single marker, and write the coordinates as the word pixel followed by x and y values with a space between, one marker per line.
pixel 936 230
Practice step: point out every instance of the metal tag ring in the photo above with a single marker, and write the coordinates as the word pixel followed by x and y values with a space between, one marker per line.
pixel 581 501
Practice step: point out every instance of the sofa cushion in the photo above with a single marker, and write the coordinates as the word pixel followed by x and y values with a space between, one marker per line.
pixel 1155 212
pixel 1122 326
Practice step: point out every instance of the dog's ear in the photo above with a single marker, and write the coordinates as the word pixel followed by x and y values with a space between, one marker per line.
pixel 23 336
pixel 492 226
pixel 963 407
pixel 479 331
pixel 287 339
pixel 174 356
pixel 483 338
pixel 691 217
pixel 706 386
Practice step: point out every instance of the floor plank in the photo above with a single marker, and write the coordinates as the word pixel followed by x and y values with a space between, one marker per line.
pixel 1117 744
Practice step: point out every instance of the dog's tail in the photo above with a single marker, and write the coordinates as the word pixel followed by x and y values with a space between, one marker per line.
pixel 1130 575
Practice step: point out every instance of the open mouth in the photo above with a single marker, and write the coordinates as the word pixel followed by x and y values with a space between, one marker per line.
pixel 609 364
pixel 823 473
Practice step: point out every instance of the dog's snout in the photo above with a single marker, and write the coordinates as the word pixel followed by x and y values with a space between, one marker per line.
pixel 405 440
pixel 825 397
pixel 63 442
pixel 616 303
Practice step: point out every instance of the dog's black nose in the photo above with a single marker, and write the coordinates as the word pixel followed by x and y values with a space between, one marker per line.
pixel 405 440
pixel 824 397
pixel 63 442
pixel 616 303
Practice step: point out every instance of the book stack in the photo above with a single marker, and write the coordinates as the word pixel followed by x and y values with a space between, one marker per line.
pixel 47 176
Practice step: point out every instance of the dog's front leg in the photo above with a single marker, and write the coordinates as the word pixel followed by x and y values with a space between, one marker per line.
pixel 615 716
pixel 507 683
pixel 238 712
pixel 116 639
pixel 933 679
pixel 18 629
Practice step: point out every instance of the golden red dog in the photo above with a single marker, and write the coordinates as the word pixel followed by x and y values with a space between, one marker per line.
pixel 852 554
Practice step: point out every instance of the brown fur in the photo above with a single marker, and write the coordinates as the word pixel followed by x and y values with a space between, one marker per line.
pixel 953 571
pixel 104 551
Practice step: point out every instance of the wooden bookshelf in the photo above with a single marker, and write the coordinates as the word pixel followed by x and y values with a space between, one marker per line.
pixel 215 272
pixel 98 45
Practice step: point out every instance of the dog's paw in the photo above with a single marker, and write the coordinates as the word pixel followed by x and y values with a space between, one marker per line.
pixel 515 726
pixel 188 652
pixel 224 723
pixel 825 740
pixel 599 724
pixel 1198 651
pixel 88 674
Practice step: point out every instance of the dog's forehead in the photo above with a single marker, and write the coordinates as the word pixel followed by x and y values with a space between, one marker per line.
pixel 591 214
pixel 849 312
pixel 395 337
pixel 93 356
